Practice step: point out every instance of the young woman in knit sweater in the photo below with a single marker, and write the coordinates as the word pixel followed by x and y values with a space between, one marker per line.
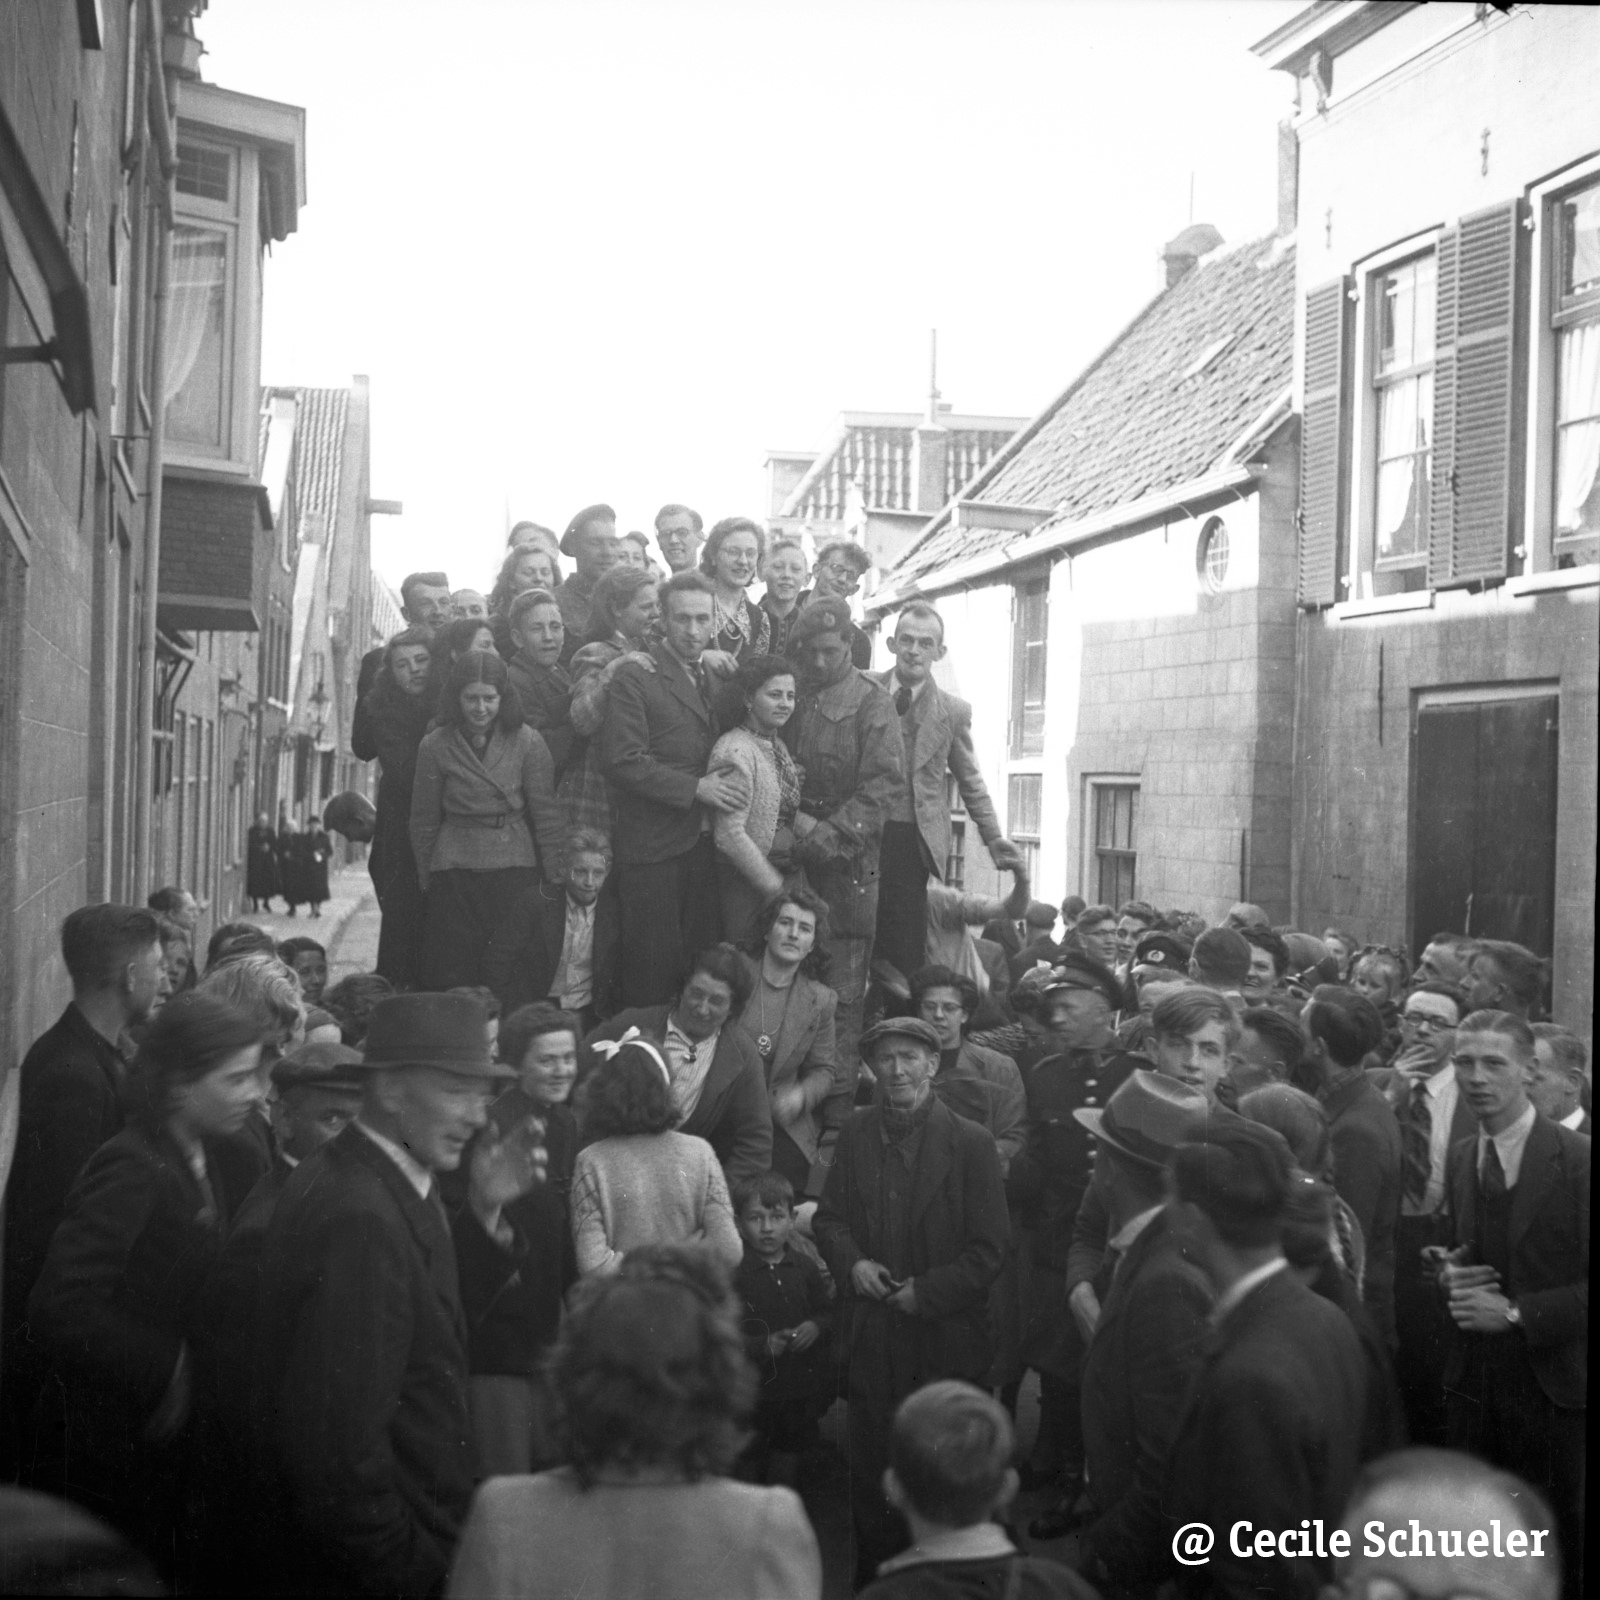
pixel 637 1180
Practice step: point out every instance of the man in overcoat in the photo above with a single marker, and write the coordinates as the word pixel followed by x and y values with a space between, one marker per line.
pixel 913 1227
pixel 365 1361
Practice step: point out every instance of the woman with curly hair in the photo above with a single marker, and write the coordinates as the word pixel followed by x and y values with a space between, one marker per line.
pixel 526 566
pixel 790 1018
pixel 637 1180
pixel 118 1306
pixel 754 838
pixel 484 820
pixel 730 558
pixel 654 1385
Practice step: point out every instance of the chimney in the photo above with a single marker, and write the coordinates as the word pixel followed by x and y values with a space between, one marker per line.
pixel 1288 178
pixel 1179 255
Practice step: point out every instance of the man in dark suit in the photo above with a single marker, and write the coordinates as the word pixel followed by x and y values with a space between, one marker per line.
pixel 1341 1030
pixel 937 730
pixel 913 1226
pixel 70 1103
pixel 653 748
pixel 364 1347
pixel 1147 1342
pixel 718 1078
pixel 1558 1084
pixel 560 943
pixel 1270 1434
pixel 1433 1116
pixel 1517 1279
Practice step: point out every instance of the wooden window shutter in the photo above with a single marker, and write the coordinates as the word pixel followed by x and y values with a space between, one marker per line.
pixel 1478 491
pixel 1442 488
pixel 1324 437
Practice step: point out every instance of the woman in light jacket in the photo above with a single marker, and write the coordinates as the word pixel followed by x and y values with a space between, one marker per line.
pixel 753 840
pixel 484 820
pixel 790 1018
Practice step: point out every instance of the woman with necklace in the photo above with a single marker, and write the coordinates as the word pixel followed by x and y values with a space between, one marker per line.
pixel 790 1020
pixel 753 840
pixel 731 557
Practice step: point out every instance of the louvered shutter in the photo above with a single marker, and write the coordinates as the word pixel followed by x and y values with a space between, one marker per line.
pixel 1442 488
pixel 1324 434
pixel 1483 448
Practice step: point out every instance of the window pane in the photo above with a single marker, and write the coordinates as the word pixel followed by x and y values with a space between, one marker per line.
pixel 1024 794
pixel 1406 315
pixel 1580 242
pixel 197 337
pixel 1578 431
pixel 1405 438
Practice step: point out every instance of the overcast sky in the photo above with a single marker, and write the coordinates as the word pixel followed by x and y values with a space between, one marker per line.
pixel 619 249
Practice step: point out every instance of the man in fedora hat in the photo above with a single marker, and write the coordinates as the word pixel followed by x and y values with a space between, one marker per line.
pixel 1271 1429
pixel 913 1226
pixel 1046 1185
pixel 364 1347
pixel 1147 1340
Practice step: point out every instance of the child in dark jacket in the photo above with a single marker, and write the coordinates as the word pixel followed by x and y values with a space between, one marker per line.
pixel 950 1474
pixel 788 1326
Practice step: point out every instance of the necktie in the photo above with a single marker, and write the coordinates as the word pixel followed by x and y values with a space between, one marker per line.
pixel 1492 1180
pixel 902 699
pixel 1416 1135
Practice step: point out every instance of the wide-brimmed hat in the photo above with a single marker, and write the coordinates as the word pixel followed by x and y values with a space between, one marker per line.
pixel 446 1031
pixel 320 1066
pixel 904 1027
pixel 1147 1118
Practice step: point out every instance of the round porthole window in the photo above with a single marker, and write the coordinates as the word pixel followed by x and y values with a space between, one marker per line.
pixel 1211 555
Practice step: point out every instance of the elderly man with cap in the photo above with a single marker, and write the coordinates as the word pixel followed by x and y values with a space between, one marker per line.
pixel 364 1360
pixel 1270 1434
pixel 845 737
pixel 913 1225
pixel 1147 1341
pixel 1048 1180
pixel 590 541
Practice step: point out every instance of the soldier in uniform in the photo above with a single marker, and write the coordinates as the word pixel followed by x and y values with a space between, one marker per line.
pixel 1046 1185
pixel 845 735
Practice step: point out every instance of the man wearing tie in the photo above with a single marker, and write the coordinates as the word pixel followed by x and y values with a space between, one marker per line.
pixel 937 732
pixel 1433 1116
pixel 1517 1279
pixel 653 749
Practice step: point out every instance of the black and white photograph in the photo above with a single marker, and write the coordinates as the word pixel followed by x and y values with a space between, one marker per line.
pixel 798 798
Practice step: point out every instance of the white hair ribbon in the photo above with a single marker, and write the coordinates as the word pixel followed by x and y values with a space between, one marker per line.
pixel 608 1049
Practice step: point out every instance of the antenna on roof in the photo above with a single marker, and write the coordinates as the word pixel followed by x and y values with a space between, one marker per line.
pixel 933 377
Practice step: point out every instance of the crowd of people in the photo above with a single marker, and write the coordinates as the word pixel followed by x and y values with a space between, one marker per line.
pixel 688 1104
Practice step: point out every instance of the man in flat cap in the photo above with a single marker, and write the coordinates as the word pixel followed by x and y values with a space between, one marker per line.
pixel 590 541
pixel 845 735
pixel 363 1341
pixel 913 1225
pixel 1147 1340
pixel 1270 1434
pixel 1046 1185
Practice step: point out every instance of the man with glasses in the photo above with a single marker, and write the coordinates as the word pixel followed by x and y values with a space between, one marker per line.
pixel 1421 1086
pixel 841 565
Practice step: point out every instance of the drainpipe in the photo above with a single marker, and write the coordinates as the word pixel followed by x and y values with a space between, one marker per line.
pixel 160 116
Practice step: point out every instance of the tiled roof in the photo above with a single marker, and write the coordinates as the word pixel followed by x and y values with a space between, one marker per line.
pixel 1159 407
pixel 319 439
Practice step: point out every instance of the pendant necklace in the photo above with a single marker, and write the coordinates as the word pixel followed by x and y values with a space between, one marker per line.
pixel 766 1042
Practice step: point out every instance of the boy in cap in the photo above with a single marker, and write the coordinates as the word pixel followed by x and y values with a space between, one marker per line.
pixel 950 1475
pixel 913 1226
pixel 1271 1432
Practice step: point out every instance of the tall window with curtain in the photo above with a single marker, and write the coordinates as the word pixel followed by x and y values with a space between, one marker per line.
pixel 196 390
pixel 1402 381
pixel 1576 319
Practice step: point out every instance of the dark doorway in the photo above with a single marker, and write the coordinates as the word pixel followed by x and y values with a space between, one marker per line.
pixel 1484 820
